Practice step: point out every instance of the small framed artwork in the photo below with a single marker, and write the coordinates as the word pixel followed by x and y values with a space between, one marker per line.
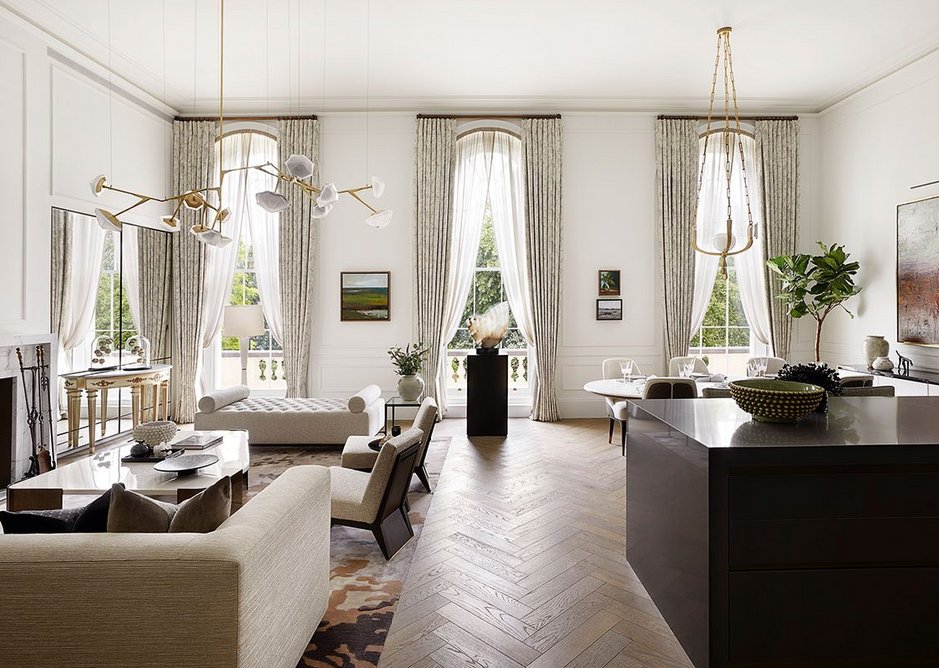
pixel 609 309
pixel 365 296
pixel 608 282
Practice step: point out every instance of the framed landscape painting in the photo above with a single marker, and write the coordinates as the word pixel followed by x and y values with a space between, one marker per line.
pixel 609 309
pixel 608 282
pixel 917 278
pixel 365 296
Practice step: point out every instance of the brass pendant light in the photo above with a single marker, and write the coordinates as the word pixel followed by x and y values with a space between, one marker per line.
pixel 725 242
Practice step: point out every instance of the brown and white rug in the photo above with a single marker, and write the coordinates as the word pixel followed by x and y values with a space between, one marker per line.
pixel 364 587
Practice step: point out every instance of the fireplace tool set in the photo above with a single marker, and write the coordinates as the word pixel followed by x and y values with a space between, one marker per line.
pixel 37 391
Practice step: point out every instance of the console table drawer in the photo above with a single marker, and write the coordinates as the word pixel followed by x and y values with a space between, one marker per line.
pixel 796 495
pixel 828 543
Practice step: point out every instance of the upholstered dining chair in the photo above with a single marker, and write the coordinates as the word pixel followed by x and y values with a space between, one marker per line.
pixel 857 381
pixel 715 392
pixel 375 500
pixel 617 411
pixel 356 454
pixel 699 365
pixel 670 388
pixel 773 364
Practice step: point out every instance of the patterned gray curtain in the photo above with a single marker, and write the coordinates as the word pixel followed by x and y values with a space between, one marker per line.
pixel 541 148
pixel 297 253
pixel 193 167
pixel 676 181
pixel 436 140
pixel 154 273
pixel 778 146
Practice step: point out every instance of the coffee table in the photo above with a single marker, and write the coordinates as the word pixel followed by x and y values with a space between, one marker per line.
pixel 95 474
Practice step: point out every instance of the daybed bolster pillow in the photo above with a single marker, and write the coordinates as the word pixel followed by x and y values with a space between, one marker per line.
pixel 215 400
pixel 362 398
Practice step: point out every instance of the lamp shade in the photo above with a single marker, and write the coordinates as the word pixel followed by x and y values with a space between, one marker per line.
pixel 243 321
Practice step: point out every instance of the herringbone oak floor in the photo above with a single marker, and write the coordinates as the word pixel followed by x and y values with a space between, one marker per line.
pixel 522 559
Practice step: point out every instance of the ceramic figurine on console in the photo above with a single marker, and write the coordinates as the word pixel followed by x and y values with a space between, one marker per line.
pixel 882 364
pixel 489 329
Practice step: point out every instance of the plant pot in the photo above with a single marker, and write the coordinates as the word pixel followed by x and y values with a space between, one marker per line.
pixel 874 347
pixel 410 387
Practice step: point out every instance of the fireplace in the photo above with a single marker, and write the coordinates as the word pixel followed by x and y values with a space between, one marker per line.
pixel 7 429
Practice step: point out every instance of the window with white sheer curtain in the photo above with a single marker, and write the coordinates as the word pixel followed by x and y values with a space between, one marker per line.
pixel 489 264
pixel 730 317
pixel 247 272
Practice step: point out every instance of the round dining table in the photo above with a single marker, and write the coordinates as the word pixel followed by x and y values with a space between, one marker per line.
pixel 618 389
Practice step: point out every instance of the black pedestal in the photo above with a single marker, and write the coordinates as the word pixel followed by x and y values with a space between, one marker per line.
pixel 487 395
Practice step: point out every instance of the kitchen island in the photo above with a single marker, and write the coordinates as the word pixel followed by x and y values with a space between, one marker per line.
pixel 814 543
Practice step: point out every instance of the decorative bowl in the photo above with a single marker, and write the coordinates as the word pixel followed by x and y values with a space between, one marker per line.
pixel 155 433
pixel 185 464
pixel 769 400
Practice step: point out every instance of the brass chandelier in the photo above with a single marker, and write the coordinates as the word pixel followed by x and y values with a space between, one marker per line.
pixel 297 172
pixel 724 243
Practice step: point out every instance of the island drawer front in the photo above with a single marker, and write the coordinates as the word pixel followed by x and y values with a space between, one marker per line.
pixel 834 494
pixel 834 617
pixel 833 543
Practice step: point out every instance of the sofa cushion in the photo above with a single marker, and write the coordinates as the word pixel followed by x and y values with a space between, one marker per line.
pixel 215 400
pixel 205 511
pixel 131 512
pixel 356 454
pixel 362 398
pixel 91 518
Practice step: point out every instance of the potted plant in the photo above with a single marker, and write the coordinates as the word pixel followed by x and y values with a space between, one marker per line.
pixel 815 285
pixel 409 363
pixel 816 374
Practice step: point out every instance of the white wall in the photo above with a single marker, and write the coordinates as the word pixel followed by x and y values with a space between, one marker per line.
pixel 875 146
pixel 59 129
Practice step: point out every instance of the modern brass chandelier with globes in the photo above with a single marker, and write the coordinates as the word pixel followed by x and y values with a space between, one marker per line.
pixel 724 244
pixel 296 172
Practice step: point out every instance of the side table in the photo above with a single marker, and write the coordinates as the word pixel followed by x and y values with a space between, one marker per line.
pixel 393 404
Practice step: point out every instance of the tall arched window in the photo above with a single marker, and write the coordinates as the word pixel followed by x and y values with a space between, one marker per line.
pixel 487 262
pixel 730 317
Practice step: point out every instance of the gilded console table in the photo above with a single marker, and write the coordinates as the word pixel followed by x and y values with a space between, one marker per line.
pixel 154 381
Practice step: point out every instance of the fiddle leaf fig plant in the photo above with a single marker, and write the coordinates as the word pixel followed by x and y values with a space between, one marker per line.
pixel 816 285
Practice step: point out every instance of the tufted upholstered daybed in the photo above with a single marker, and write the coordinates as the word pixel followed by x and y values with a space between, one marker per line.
pixel 284 421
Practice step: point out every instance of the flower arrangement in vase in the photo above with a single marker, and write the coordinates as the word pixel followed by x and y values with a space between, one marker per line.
pixel 409 363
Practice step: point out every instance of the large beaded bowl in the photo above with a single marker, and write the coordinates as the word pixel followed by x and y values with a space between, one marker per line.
pixel 769 400
pixel 155 433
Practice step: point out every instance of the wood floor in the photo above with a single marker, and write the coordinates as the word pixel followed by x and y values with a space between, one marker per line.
pixel 522 559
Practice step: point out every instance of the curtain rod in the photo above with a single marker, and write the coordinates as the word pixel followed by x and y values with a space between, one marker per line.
pixel 664 117
pixel 238 119
pixel 495 117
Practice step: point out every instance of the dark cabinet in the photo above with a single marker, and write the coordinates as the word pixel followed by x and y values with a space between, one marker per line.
pixel 487 395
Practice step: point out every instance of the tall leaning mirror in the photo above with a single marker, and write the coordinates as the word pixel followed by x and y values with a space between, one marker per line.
pixel 111 312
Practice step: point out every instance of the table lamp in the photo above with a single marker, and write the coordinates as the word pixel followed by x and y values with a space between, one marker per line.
pixel 244 322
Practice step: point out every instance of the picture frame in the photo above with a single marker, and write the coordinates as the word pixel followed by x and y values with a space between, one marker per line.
pixel 609 309
pixel 917 283
pixel 364 296
pixel 609 282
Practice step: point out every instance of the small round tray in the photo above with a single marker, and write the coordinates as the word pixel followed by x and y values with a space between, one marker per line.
pixel 185 464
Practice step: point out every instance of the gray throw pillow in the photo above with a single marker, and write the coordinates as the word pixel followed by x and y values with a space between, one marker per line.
pixel 131 512
pixel 205 511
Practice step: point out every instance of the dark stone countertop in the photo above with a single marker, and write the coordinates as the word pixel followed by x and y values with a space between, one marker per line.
pixel 850 421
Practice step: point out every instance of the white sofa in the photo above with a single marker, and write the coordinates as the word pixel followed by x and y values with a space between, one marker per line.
pixel 282 421
pixel 251 593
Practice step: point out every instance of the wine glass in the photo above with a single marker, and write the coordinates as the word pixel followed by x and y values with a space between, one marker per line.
pixel 760 367
pixel 686 367
pixel 627 367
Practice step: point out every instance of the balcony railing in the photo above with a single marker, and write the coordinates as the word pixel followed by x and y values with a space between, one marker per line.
pixel 266 370
pixel 518 370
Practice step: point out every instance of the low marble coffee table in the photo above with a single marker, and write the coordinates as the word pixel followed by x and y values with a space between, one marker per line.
pixel 94 475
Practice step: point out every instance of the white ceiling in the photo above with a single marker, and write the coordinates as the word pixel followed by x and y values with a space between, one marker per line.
pixel 793 55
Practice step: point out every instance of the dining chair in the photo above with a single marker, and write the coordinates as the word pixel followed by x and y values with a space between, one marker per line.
pixel 773 364
pixel 869 391
pixel 670 388
pixel 857 381
pixel 617 411
pixel 715 392
pixel 699 365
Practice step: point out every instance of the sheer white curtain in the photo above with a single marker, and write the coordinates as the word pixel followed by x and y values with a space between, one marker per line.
pixel 470 191
pixel 507 201
pixel 711 219
pixel 81 273
pixel 751 274
pixel 264 229
pixel 130 277
pixel 219 263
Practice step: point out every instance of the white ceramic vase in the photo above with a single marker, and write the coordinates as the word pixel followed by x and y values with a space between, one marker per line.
pixel 874 347
pixel 882 364
pixel 410 387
